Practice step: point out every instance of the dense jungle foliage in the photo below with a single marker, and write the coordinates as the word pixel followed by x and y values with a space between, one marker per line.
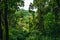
pixel 20 24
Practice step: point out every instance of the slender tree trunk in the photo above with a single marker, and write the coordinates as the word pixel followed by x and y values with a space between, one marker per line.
pixel 56 11
pixel 6 21
pixel 1 32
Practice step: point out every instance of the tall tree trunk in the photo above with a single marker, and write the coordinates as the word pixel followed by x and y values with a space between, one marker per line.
pixel 6 21
pixel 1 32
pixel 56 11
